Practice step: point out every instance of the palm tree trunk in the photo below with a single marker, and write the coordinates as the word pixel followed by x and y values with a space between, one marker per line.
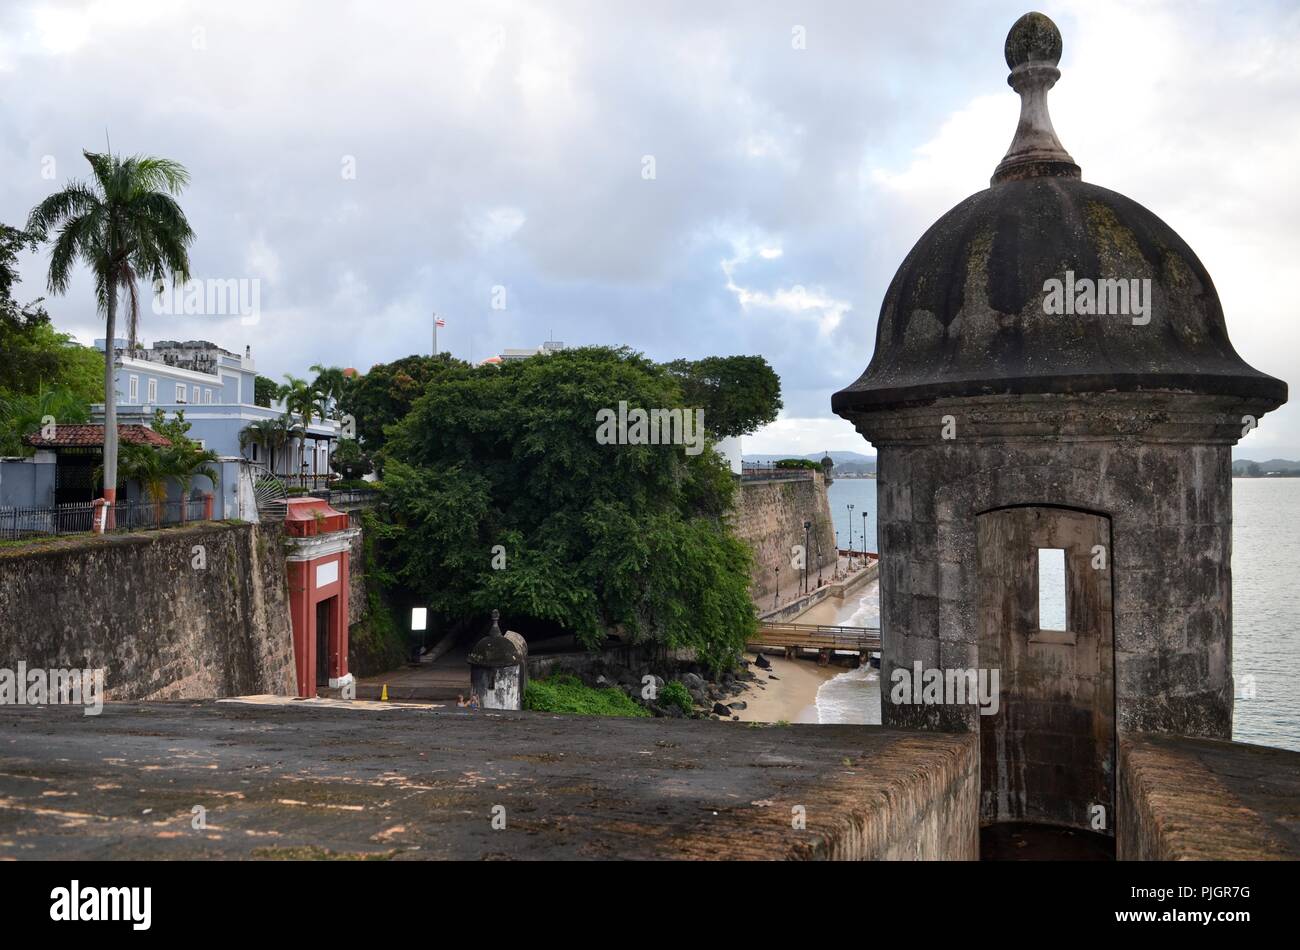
pixel 110 406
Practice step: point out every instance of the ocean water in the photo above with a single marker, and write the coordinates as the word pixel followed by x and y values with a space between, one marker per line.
pixel 1266 610
pixel 1265 602
pixel 861 494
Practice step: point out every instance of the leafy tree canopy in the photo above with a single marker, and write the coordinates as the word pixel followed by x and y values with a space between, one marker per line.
pixel 385 395
pixel 349 460
pixel 501 496
pixel 42 372
pixel 24 413
pixel 737 393
pixel 36 356
pixel 264 389
pixel 12 313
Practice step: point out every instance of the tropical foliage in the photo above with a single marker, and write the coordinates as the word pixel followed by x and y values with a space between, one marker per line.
pixel 184 460
pixel 386 394
pixel 675 693
pixel 12 313
pixel 499 495
pixel 43 373
pixel 25 413
pixel 272 435
pixel 156 468
pixel 565 693
pixel 301 399
pixel 737 393
pixel 264 388
pixel 349 460
pixel 125 225
pixel 331 383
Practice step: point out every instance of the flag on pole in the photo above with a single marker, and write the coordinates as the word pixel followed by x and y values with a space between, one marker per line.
pixel 441 322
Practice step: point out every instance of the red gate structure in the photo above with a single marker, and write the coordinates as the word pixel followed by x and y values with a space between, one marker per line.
pixel 319 540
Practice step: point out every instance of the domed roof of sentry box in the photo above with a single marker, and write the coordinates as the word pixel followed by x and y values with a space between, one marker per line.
pixel 967 313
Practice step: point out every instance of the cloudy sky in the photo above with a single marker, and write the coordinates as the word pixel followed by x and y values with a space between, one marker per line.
pixel 687 178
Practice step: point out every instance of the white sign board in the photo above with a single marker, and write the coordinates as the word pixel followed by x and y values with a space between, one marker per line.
pixel 327 573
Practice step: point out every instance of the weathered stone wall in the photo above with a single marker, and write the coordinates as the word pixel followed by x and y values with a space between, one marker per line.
pixel 1159 472
pixel 139 606
pixel 358 602
pixel 1205 800
pixel 769 516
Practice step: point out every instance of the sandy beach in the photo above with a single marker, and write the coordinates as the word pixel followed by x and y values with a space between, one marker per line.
pixel 790 698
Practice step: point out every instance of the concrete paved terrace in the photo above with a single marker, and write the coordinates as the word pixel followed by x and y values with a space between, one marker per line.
pixel 316 779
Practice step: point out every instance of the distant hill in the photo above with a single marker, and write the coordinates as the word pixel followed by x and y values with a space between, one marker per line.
pixel 846 463
pixel 1249 467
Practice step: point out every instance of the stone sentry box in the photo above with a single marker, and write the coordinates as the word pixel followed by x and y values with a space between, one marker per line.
pixel 1001 429
pixel 497 669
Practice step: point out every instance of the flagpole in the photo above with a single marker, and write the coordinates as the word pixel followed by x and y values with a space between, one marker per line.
pixel 435 333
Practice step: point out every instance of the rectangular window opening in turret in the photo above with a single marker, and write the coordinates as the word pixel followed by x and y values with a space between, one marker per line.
pixel 1051 589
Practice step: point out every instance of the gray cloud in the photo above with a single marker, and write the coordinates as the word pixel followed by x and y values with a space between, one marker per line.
pixel 503 145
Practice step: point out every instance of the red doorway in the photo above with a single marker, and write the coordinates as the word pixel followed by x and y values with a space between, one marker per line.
pixel 323 612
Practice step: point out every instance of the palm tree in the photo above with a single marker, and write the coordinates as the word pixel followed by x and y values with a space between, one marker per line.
pixel 304 400
pixel 270 434
pixel 331 383
pixel 186 461
pixel 124 225
pixel 145 465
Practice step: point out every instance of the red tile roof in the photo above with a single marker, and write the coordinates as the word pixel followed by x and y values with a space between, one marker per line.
pixel 93 435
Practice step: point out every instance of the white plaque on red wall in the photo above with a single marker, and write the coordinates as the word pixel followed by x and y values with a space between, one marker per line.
pixel 327 573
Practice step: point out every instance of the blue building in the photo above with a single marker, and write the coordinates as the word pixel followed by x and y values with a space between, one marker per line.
pixel 215 389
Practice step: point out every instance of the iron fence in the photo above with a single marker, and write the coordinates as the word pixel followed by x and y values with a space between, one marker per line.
pixel 757 474
pixel 351 496
pixel 17 523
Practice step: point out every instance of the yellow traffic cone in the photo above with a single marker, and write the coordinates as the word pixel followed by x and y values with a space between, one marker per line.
pixel 383 696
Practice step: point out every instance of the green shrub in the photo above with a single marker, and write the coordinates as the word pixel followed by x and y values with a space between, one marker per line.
pixel 675 694
pixel 352 484
pixel 564 693
pixel 796 463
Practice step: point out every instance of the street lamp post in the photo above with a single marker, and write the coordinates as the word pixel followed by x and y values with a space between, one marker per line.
pixel 864 534
pixel 776 595
pixel 807 527
pixel 850 534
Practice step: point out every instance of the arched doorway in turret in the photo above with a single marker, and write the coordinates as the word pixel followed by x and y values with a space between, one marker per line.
pixel 1046 624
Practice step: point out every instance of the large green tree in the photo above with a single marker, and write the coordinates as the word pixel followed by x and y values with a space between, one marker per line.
pixel 36 357
pixel 43 373
pixel 501 495
pixel 22 414
pixel 264 388
pixel 385 395
pixel 737 393
pixel 13 313
pixel 125 225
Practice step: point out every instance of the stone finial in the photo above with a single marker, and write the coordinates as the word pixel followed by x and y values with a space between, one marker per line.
pixel 496 627
pixel 1032 51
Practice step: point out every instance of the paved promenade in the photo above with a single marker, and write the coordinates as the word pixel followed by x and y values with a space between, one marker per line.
pixel 331 780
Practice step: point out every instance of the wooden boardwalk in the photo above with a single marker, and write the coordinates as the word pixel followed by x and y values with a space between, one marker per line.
pixel 793 637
